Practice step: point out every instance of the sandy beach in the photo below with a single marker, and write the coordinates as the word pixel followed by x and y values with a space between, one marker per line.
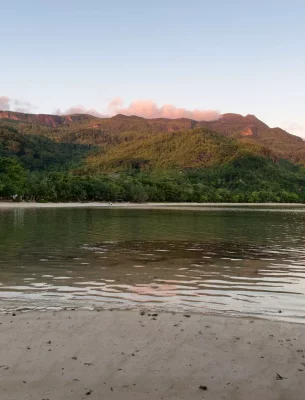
pixel 173 206
pixel 126 355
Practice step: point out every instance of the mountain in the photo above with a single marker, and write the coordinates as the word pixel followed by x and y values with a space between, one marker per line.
pixel 127 142
pixel 279 141
pixel 43 119
pixel 129 158
pixel 86 129
pixel 38 152
pixel 181 149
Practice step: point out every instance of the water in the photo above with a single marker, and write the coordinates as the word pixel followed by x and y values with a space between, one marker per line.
pixel 232 260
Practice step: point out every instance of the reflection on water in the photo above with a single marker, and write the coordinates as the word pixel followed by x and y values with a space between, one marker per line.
pixel 234 261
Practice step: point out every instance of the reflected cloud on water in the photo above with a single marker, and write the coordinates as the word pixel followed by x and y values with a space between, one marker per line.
pixel 217 261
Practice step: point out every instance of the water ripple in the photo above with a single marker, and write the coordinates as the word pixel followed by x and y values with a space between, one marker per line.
pixel 215 262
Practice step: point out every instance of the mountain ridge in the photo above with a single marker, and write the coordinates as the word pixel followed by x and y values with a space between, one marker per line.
pixel 129 158
pixel 46 119
pixel 113 131
pixel 57 119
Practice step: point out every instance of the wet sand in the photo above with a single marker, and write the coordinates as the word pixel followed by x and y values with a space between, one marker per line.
pixel 126 355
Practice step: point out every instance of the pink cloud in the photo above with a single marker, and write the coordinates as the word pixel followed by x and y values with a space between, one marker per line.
pixel 115 103
pixel 80 110
pixel 144 108
pixel 149 109
pixel 5 103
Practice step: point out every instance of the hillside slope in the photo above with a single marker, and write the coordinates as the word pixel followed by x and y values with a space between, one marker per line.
pixel 86 129
pixel 38 152
pixel 279 141
pixel 182 149
pixel 135 159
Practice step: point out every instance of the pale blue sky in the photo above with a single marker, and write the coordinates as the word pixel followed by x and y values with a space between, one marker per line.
pixel 244 56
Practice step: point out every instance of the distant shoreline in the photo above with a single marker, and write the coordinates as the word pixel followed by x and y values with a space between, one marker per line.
pixel 180 206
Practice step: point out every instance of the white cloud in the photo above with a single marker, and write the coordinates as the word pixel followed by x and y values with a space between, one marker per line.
pixel 294 127
pixel 9 104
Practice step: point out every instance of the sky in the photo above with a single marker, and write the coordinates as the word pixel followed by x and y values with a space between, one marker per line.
pixel 169 58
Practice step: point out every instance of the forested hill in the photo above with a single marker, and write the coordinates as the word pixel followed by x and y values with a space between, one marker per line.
pixel 128 158
pixel 38 152
pixel 86 129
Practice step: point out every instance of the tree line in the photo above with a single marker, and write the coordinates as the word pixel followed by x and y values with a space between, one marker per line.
pixel 247 179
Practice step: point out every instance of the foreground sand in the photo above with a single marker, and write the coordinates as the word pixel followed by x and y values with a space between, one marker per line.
pixel 126 355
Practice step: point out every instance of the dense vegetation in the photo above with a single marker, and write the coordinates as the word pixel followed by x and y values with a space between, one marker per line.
pixel 184 149
pixel 106 132
pixel 248 179
pixel 39 153
pixel 137 165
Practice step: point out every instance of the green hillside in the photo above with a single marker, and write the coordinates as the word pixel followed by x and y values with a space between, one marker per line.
pixel 85 129
pixel 183 149
pixel 236 159
pixel 39 153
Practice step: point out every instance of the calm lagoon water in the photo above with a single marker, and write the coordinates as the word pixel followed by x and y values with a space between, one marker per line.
pixel 232 260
